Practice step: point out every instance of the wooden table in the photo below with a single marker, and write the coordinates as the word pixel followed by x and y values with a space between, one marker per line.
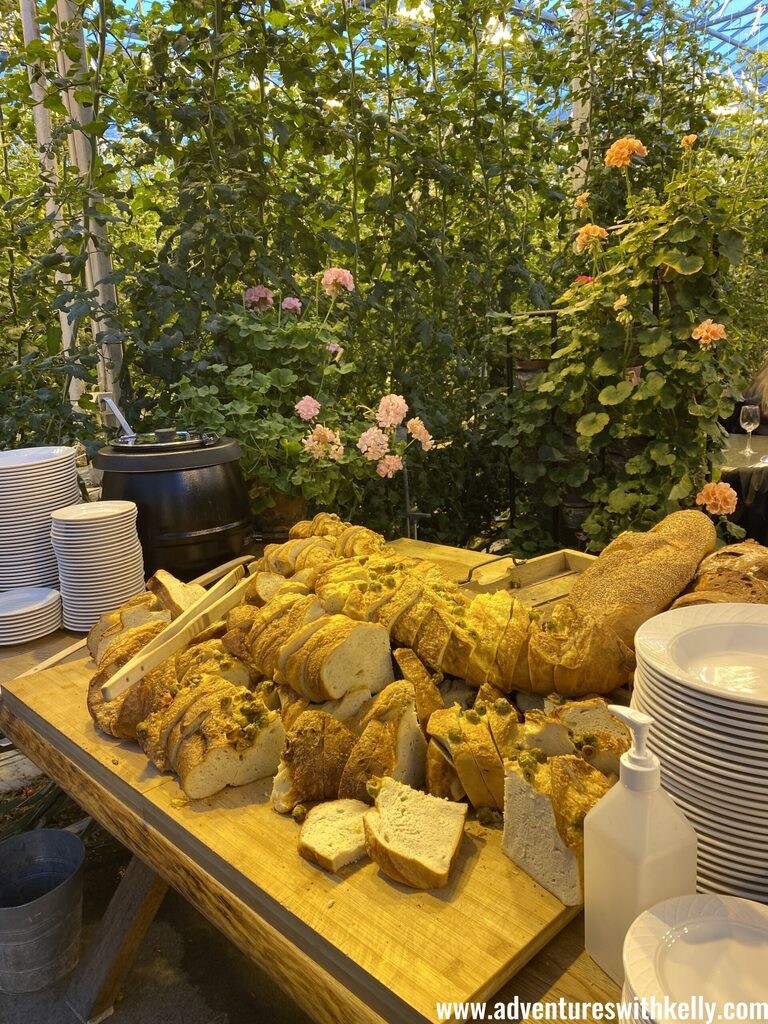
pixel 355 959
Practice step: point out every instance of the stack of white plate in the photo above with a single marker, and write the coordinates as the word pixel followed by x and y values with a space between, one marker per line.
pixel 33 482
pixel 696 951
pixel 28 613
pixel 99 558
pixel 702 674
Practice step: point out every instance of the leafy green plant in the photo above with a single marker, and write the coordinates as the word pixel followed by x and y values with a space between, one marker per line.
pixel 628 412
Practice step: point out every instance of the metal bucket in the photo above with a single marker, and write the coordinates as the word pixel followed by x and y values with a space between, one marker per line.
pixel 41 908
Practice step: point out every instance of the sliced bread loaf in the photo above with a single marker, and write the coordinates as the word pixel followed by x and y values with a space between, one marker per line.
pixel 413 837
pixel 332 834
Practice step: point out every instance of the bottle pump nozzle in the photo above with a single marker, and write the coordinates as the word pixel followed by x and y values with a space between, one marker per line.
pixel 639 767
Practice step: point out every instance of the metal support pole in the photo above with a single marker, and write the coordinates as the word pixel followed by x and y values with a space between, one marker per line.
pixel 48 167
pixel 99 262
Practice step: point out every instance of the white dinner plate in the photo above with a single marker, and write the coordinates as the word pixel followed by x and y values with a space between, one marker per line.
pixel 750 833
pixel 706 735
pixel 96 583
pixel 740 715
pixel 747 809
pixel 28 637
pixel 37 501
pixel 112 546
pixel 744 726
pixel 740 782
pixel 724 749
pixel 95 511
pixel 88 603
pixel 718 649
pixel 27 600
pixel 723 888
pixel 29 458
pixel 715 947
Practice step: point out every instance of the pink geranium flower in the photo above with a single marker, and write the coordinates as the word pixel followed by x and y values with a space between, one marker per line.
pixel 418 431
pixel 391 411
pixel 336 280
pixel 334 348
pixel 582 279
pixel 258 298
pixel 307 407
pixel 291 304
pixel 322 442
pixel 389 465
pixel 373 443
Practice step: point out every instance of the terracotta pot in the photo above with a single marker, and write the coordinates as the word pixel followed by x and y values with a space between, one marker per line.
pixel 273 523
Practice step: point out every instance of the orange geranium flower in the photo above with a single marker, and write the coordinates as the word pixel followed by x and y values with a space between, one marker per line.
pixel 589 235
pixel 581 200
pixel 707 333
pixel 621 152
pixel 718 499
pixel 688 140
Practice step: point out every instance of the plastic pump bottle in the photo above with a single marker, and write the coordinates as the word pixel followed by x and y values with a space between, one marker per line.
pixel 639 849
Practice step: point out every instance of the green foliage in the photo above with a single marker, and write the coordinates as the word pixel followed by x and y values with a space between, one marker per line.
pixel 432 155
pixel 637 391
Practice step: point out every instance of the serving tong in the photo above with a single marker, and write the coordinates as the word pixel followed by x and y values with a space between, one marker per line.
pixel 211 607
pixel 489 561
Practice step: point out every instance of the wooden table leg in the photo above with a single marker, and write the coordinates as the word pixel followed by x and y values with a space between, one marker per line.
pixel 110 954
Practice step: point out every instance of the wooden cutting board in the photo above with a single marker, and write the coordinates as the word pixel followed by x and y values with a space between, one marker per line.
pixel 401 950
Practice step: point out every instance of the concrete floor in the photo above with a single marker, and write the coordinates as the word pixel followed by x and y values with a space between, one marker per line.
pixel 186 972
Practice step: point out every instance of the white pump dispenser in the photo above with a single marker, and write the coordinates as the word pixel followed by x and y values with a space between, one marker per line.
pixel 639 849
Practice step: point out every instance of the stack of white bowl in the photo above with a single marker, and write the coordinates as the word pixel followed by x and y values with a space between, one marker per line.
pixel 708 949
pixel 33 482
pixel 28 613
pixel 99 559
pixel 702 674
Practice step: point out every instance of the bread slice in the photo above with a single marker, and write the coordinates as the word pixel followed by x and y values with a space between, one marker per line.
pixel 546 733
pixel 144 600
pixel 212 657
pixel 466 739
pixel 598 736
pixel 313 759
pixel 511 662
pixel 154 731
pixel 150 694
pixel 175 595
pixel 577 654
pixel 231 750
pixel 414 838
pixel 332 834
pixel 428 697
pixel 263 586
pixel 502 716
pixel 544 809
pixel 324 524
pixel 441 777
pixel 126 618
pixel 344 658
pixel 391 744
pixel 215 701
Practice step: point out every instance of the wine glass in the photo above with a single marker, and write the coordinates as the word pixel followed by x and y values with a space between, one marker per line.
pixel 749 420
